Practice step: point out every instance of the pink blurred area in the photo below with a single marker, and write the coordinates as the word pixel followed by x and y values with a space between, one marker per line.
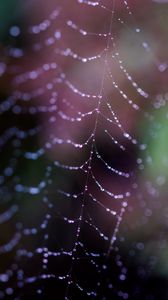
pixel 58 59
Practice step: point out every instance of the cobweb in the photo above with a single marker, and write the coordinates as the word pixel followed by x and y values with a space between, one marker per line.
pixel 71 148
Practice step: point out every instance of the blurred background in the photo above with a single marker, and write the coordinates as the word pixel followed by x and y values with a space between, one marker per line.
pixel 51 68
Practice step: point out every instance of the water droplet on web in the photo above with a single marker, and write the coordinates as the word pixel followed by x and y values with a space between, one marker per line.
pixel 14 31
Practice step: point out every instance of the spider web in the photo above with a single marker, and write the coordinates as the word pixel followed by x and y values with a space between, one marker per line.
pixel 71 154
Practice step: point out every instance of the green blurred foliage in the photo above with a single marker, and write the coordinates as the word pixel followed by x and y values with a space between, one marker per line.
pixel 154 134
pixel 10 12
